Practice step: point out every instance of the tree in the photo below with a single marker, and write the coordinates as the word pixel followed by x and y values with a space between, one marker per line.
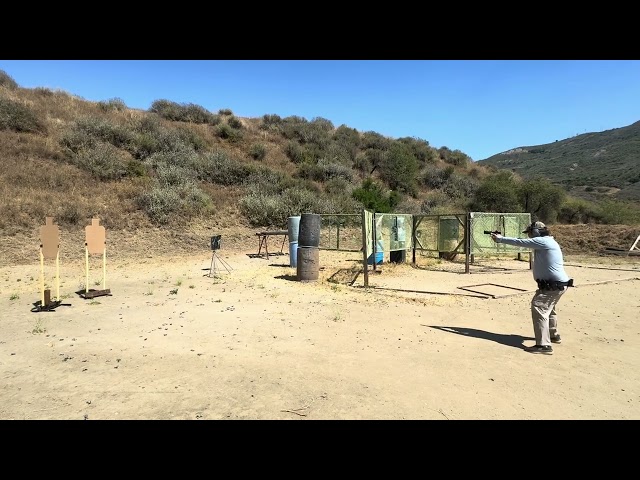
pixel 541 199
pixel 498 193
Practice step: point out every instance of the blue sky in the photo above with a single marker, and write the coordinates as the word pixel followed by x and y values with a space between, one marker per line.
pixel 481 107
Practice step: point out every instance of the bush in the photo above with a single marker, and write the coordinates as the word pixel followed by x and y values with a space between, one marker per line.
pixel 217 167
pixel 225 111
pixel 163 203
pixel 437 177
pixel 19 118
pixel 325 170
pixel 44 92
pixel 160 203
pixel 258 151
pixel 234 122
pixel 88 130
pixel 400 169
pixel 188 112
pixel 435 202
pixel 373 197
pixel 103 161
pixel 174 175
pixel 191 138
pixel 271 122
pixel 375 141
pixel 339 186
pixel 228 133
pixel 113 105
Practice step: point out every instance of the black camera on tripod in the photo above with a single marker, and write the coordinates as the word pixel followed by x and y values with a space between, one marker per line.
pixel 215 242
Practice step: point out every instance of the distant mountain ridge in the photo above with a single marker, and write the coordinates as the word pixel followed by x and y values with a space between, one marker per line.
pixel 587 165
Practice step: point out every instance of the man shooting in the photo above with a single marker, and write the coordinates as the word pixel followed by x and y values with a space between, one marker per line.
pixel 548 272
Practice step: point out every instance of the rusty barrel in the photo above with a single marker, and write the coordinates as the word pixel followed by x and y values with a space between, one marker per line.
pixel 308 264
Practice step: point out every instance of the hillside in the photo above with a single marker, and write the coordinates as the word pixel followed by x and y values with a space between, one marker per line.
pixel 176 164
pixel 163 179
pixel 590 165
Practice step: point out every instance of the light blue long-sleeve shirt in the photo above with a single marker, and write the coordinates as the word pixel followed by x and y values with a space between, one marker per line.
pixel 548 263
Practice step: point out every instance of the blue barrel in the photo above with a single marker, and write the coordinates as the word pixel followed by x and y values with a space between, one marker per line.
pixel 379 254
pixel 293 227
pixel 293 254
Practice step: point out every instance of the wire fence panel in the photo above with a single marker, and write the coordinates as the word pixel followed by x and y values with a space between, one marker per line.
pixel 341 231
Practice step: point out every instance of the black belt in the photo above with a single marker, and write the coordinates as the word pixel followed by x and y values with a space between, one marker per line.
pixel 553 284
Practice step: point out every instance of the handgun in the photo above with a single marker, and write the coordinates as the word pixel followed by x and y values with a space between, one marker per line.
pixel 494 232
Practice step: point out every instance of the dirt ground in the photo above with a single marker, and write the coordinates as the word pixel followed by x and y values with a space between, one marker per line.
pixel 253 342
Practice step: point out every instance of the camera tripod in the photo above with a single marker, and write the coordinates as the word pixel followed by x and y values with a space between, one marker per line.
pixel 215 259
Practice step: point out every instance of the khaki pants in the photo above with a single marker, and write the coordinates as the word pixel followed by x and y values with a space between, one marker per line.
pixel 543 314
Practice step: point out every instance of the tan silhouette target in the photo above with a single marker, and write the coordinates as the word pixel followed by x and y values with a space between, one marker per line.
pixel 49 239
pixel 95 243
pixel 50 249
pixel 95 236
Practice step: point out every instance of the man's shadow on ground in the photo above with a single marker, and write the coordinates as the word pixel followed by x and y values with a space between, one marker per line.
pixel 516 341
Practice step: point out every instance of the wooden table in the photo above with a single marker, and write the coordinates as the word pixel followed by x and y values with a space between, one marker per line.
pixel 263 237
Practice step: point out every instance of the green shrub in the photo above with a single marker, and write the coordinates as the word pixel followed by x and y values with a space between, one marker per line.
pixel 347 137
pixel 164 203
pixel 112 105
pixel 234 122
pixel 150 137
pixel 191 138
pixel 272 209
pixel 228 133
pixel 166 109
pixel 372 196
pixel 437 177
pixel 169 175
pixel 217 167
pixel 225 111
pixel 87 129
pixel 271 122
pixel 325 170
pixel 339 186
pixel 160 203
pixel 460 186
pixel 294 152
pixel 375 141
pixel 103 161
pixel 135 168
pixel 19 118
pixel 258 151
pixel 188 112
pixel 400 169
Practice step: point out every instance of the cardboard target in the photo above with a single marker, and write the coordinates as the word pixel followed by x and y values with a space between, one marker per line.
pixel 49 238
pixel 95 236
